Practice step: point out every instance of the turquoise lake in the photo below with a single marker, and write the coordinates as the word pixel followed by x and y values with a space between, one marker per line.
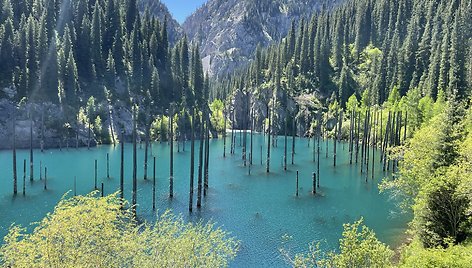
pixel 258 209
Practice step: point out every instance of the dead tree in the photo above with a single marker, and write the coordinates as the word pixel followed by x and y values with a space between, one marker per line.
pixel 200 163
pixel 171 162
pixel 31 148
pixel 268 143
pixel 135 156
pixel 192 161
pixel 122 166
pixel 207 155
pixel 15 175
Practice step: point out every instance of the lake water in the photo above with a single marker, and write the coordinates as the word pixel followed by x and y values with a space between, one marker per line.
pixel 260 209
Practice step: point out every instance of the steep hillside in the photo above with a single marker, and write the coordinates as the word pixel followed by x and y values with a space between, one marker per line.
pixel 228 31
pixel 160 11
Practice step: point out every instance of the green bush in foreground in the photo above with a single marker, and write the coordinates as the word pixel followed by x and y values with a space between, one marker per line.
pixel 457 256
pixel 86 231
pixel 358 248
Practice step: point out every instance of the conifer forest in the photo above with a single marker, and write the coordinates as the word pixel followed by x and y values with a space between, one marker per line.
pixel 273 133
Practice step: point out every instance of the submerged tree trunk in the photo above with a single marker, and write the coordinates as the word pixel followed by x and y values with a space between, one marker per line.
pixel 268 143
pixel 293 139
pixel 31 149
pixel 224 130
pixel 351 135
pixel 135 179
pixel 200 163
pixel 384 149
pixel 335 140
pixel 95 167
pixel 154 184
pixel 15 175
pixel 207 155
pixel 45 178
pixel 318 149
pixel 171 168
pixel 381 136
pixel 358 136
pixel 146 148
pixel 232 134
pixel 285 145
pixel 24 176
pixel 108 165
pixel 42 130
pixel 252 134
pixel 374 145
pixel 192 161
pixel 327 141
pixel 122 166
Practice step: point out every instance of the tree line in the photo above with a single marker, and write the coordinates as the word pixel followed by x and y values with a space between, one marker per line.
pixel 367 47
pixel 77 54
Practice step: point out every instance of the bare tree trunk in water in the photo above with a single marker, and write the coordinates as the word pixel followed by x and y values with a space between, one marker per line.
pixel 135 179
pixel 207 155
pixel 192 161
pixel 200 164
pixel 122 166
pixel 15 175
pixel 31 148
pixel 171 168
pixel 268 143
pixel 146 146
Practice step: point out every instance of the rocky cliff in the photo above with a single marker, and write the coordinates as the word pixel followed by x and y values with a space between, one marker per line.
pixel 228 31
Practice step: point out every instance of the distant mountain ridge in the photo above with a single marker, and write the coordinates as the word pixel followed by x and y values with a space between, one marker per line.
pixel 229 31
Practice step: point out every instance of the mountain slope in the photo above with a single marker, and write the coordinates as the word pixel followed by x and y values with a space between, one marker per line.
pixel 228 31
pixel 159 10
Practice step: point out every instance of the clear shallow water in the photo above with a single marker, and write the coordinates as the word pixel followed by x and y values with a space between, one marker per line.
pixel 259 209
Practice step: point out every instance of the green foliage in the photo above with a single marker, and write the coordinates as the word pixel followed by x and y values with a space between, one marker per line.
pixel 441 211
pixel 160 128
pixel 434 175
pixel 358 248
pixel 385 48
pixel 352 104
pixel 98 128
pixel 217 116
pixel 87 231
pixel 414 255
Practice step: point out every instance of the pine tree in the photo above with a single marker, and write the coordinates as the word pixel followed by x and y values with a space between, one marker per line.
pixel 131 15
pixel 71 83
pixel 118 53
pixel 96 40
pixel 111 71
pixel 6 53
pixel 457 85
pixel 154 89
pixel 136 60
pixel 112 23
pixel 83 48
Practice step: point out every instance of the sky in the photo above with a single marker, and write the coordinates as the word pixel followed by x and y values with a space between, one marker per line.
pixel 181 9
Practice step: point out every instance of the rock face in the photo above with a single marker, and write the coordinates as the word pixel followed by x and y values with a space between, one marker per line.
pixel 53 127
pixel 56 134
pixel 228 31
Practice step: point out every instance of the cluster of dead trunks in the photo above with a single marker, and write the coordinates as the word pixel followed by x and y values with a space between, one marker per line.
pixel 366 136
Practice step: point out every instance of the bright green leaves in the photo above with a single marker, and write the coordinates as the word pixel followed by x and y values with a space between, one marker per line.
pixel 86 231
